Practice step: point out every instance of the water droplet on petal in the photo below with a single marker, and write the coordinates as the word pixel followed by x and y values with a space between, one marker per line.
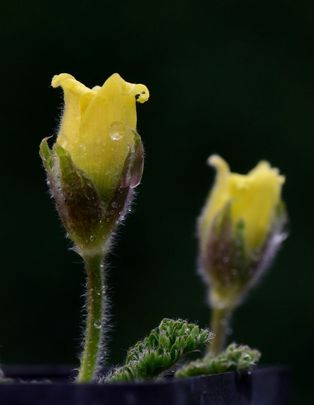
pixel 115 136
pixel 116 131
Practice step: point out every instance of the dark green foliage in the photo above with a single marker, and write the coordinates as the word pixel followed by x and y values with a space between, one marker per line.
pixel 160 350
pixel 234 358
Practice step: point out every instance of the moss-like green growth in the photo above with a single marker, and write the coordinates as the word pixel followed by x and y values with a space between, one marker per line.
pixel 234 358
pixel 160 350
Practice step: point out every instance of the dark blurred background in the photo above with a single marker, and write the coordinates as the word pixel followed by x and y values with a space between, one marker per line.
pixel 227 77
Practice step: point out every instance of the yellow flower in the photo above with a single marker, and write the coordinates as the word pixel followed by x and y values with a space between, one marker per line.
pixel 240 230
pixel 97 159
pixel 253 200
pixel 98 126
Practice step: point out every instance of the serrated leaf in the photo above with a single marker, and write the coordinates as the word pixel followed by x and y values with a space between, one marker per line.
pixel 160 350
pixel 234 358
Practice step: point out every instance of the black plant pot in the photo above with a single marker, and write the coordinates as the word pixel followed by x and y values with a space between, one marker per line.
pixel 263 386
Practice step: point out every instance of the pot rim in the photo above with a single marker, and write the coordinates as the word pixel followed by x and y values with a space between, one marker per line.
pixel 42 381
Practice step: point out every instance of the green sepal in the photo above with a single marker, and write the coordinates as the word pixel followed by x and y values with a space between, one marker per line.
pixel 46 154
pixel 263 257
pixel 130 178
pixel 78 202
pixel 134 164
pixel 225 263
pixel 89 215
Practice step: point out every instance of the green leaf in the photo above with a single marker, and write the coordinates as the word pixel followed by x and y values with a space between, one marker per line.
pixel 160 350
pixel 234 358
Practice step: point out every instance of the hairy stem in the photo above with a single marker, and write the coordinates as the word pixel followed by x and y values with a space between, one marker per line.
pixel 219 325
pixel 94 328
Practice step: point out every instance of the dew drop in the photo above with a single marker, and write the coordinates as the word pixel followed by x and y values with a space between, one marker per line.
pixel 116 131
pixel 97 324
pixel 115 136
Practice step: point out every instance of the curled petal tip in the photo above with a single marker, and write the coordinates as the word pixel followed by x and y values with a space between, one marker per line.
pixel 141 93
pixel 68 82
pixel 59 80
pixel 218 163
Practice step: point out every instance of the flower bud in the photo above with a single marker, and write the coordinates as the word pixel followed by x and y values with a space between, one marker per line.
pixel 240 229
pixel 97 159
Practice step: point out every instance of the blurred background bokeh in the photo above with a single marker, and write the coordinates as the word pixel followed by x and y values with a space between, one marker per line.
pixel 228 77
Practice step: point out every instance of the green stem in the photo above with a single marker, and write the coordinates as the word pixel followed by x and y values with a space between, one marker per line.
pixel 220 322
pixel 94 328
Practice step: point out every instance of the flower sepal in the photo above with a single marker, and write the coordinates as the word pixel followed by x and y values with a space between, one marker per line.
pixel 225 263
pixel 77 201
pixel 89 218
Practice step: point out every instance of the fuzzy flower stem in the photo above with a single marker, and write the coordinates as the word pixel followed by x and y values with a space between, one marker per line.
pixel 219 325
pixel 94 328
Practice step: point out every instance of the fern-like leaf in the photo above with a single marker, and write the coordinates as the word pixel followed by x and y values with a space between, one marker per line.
pixel 160 350
pixel 234 358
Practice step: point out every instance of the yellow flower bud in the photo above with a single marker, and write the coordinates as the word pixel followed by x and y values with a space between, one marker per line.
pixel 98 126
pixel 240 229
pixel 97 159
pixel 253 200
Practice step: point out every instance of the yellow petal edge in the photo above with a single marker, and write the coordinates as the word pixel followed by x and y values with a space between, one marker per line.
pixel 253 199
